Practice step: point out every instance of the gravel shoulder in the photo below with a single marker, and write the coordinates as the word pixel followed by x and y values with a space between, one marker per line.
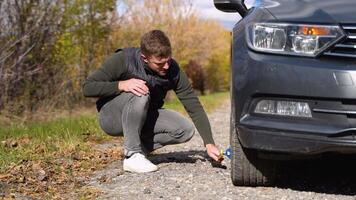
pixel 186 173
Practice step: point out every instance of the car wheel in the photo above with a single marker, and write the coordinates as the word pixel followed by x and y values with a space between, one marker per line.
pixel 246 168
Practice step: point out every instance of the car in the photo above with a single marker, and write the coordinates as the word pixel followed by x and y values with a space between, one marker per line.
pixel 293 84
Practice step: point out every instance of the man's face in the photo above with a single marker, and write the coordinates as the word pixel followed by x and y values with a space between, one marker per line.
pixel 159 65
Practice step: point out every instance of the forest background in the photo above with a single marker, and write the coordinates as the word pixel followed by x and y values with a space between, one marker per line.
pixel 49 47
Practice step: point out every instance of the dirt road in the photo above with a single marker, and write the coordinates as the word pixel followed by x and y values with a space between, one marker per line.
pixel 185 173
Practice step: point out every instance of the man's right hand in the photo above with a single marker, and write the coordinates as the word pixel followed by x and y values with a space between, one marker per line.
pixel 135 86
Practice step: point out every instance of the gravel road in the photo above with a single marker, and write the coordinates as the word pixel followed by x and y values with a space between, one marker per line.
pixel 186 173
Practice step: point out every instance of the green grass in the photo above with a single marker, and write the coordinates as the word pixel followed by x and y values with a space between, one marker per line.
pixel 42 140
pixel 209 102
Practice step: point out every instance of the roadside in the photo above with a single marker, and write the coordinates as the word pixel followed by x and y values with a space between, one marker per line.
pixel 54 158
pixel 185 173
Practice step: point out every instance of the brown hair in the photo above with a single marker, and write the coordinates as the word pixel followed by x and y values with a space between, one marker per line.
pixel 156 43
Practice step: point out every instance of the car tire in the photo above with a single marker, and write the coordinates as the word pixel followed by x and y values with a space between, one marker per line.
pixel 247 169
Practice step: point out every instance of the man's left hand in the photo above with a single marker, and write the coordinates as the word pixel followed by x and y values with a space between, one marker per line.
pixel 214 152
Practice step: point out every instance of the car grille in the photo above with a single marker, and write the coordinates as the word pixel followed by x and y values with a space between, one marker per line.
pixel 347 47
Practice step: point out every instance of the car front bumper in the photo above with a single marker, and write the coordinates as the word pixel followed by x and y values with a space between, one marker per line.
pixel 328 86
pixel 293 143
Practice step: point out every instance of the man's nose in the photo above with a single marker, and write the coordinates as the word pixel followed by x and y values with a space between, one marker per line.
pixel 166 66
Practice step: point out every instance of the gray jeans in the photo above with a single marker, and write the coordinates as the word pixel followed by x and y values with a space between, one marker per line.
pixel 143 128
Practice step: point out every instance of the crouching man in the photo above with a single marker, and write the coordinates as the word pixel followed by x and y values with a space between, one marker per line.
pixel 131 86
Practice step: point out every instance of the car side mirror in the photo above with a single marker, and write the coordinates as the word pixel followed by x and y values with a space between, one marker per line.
pixel 231 6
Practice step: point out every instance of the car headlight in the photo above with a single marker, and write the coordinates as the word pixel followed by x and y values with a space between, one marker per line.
pixel 292 39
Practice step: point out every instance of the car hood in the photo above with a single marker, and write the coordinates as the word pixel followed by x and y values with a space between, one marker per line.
pixel 312 11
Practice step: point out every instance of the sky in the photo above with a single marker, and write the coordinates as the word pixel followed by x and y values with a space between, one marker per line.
pixel 207 10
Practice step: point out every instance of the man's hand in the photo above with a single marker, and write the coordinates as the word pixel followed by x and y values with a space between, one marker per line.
pixel 135 86
pixel 214 152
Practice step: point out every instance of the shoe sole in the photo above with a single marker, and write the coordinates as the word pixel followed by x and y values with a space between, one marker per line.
pixel 129 169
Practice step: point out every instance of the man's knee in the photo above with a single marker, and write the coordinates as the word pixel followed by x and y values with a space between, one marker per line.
pixel 139 102
pixel 144 99
pixel 188 133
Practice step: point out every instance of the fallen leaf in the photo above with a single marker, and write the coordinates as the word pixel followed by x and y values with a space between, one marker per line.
pixel 4 176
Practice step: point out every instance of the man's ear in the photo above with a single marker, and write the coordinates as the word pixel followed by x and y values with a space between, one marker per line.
pixel 144 58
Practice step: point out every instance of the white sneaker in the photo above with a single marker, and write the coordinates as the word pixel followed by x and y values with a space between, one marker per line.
pixel 138 163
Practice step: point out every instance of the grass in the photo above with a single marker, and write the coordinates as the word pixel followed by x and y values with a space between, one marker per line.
pixel 39 141
pixel 209 102
pixel 43 140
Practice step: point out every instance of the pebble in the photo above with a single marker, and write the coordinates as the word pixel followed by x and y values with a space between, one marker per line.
pixel 146 191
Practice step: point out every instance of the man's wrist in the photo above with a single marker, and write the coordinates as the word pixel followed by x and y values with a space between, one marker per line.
pixel 118 86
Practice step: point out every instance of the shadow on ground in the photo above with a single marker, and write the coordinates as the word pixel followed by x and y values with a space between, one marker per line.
pixel 179 157
pixel 184 157
pixel 330 174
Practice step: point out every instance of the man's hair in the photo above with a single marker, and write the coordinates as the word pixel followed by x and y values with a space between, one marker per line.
pixel 156 43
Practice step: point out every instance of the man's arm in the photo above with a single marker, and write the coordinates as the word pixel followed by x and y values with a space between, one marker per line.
pixel 192 105
pixel 196 111
pixel 106 81
pixel 103 82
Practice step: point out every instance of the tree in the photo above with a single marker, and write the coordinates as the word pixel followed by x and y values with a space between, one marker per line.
pixel 84 42
pixel 28 35
pixel 41 41
pixel 196 74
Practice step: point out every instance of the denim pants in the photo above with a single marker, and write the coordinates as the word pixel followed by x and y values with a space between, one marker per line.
pixel 144 129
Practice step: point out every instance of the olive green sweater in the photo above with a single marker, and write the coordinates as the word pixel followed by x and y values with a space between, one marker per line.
pixel 103 83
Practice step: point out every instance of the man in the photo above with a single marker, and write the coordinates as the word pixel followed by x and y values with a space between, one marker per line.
pixel 131 86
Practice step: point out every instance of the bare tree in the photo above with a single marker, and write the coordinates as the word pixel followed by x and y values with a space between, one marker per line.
pixel 28 36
